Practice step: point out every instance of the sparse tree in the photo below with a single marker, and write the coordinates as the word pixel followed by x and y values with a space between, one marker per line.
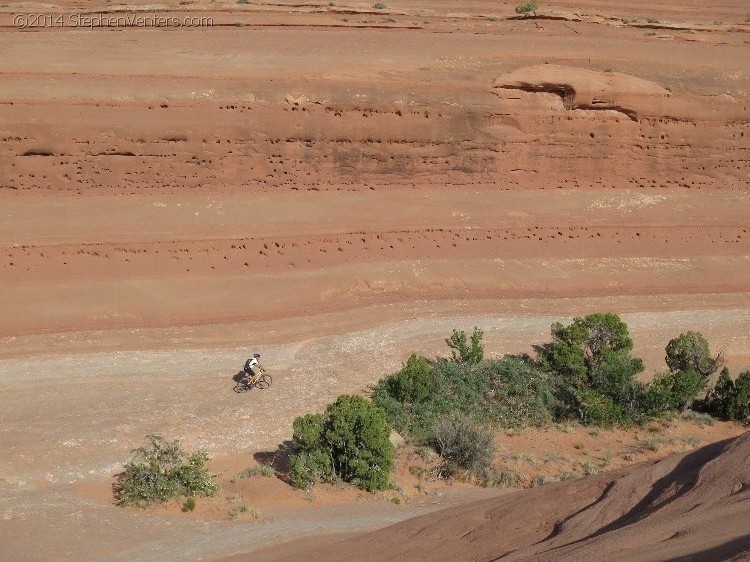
pixel 464 352
pixel 690 352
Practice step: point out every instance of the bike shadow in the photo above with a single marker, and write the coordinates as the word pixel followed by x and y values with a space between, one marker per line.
pixel 239 376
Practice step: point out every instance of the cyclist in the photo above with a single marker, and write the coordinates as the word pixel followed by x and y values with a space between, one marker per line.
pixel 251 364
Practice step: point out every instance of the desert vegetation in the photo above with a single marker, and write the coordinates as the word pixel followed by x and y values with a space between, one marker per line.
pixel 586 375
pixel 526 8
pixel 348 442
pixel 161 471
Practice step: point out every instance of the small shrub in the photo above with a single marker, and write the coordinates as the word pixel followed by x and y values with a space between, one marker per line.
pixel 244 508
pixel 738 407
pixel 463 445
pixel 671 391
pixel 702 419
pixel 652 20
pixel 162 471
pixel 425 453
pixel 588 468
pixel 243 1
pixel 189 505
pixel 503 479
pixel 379 6
pixel 463 352
pixel 542 480
pixel 418 471
pixel 396 500
pixel 526 8
pixel 264 470
pixel 413 383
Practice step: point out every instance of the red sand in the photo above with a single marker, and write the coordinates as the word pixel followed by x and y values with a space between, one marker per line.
pixel 339 186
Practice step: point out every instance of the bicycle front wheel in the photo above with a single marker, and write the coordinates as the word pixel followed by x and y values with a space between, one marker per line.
pixel 264 381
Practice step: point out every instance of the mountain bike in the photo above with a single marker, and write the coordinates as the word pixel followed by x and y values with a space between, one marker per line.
pixel 260 380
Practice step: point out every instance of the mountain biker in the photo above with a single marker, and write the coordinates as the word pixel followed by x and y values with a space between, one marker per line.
pixel 251 364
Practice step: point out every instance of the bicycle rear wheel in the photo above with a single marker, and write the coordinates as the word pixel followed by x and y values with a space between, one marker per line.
pixel 241 387
pixel 264 381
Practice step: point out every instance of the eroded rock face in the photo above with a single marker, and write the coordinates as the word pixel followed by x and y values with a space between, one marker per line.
pixel 587 89
pixel 250 166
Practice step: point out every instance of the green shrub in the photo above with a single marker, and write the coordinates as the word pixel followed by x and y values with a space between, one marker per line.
pixel 526 8
pixel 591 356
pixel 671 391
pixel 309 467
pixel 738 407
pixel 463 352
pixel 161 471
pixel 519 394
pixel 503 479
pixel 189 505
pixel 729 400
pixel 690 352
pixel 600 410
pixel 509 392
pixel 413 383
pixel 349 441
pixel 379 6
pixel 463 445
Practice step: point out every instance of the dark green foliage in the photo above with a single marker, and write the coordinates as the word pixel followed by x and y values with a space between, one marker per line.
pixel 520 393
pixel 671 391
pixel 738 407
pixel 311 462
pixel 463 445
pixel 690 352
pixel 730 400
pixel 721 397
pixel 306 431
pixel 161 471
pixel 598 375
pixel 601 410
pixel 349 441
pixel 510 392
pixel 463 352
pixel 413 383
pixel 310 466
pixel 590 345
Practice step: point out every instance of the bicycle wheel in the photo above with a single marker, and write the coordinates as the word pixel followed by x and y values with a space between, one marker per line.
pixel 264 381
pixel 241 387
